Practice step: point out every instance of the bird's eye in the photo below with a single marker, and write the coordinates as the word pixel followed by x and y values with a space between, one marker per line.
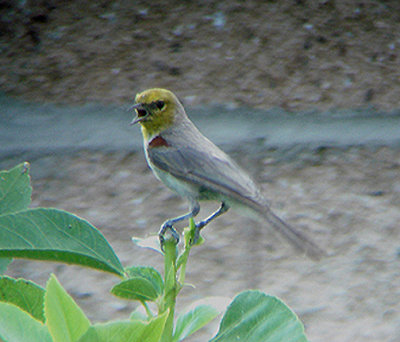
pixel 160 104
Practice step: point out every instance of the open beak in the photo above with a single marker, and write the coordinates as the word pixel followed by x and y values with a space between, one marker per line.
pixel 142 113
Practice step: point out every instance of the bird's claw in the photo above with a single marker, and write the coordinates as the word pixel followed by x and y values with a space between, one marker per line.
pixel 164 229
pixel 196 234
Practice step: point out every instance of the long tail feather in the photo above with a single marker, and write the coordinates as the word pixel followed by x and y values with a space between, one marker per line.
pixel 299 240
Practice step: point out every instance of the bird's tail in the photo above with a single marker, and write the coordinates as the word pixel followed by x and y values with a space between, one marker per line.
pixel 299 240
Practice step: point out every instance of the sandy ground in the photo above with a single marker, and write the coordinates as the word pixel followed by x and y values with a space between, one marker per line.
pixel 316 54
pixel 296 55
pixel 347 200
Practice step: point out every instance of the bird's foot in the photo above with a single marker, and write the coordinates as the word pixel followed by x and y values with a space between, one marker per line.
pixel 198 226
pixel 167 227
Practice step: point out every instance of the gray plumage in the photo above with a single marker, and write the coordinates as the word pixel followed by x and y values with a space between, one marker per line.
pixel 205 172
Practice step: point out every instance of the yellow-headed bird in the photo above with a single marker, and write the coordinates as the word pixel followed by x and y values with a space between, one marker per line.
pixel 191 165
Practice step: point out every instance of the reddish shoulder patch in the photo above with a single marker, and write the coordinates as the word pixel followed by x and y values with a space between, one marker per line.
pixel 158 141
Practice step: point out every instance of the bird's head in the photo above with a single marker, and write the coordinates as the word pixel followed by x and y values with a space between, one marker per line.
pixel 157 109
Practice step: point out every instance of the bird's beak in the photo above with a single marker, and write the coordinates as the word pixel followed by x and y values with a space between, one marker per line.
pixel 141 111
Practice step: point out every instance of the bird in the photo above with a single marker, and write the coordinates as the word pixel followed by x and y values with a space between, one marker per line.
pixel 188 163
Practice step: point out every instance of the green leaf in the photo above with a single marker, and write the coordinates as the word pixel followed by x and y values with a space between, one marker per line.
pixel 64 318
pixel 155 328
pixel 15 195
pixel 25 294
pixel 139 314
pixel 191 321
pixel 123 331
pixel 4 262
pixel 137 288
pixel 149 273
pixel 16 326
pixel 15 189
pixel 126 331
pixel 144 284
pixel 151 242
pixel 56 235
pixel 198 314
pixel 254 316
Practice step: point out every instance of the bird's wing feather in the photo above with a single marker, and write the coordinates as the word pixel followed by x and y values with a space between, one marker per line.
pixel 214 170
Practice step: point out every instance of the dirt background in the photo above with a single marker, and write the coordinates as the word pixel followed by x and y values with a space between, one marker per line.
pixel 297 55
pixel 292 54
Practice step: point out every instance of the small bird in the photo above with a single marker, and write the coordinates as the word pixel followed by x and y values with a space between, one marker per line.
pixel 191 165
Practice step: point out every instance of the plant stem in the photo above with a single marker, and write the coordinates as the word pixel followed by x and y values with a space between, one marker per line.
pixel 171 289
pixel 183 258
pixel 173 284
pixel 148 311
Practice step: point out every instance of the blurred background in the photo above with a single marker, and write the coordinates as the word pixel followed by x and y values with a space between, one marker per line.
pixel 304 94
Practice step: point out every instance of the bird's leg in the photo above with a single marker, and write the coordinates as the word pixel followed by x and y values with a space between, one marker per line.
pixel 169 224
pixel 222 209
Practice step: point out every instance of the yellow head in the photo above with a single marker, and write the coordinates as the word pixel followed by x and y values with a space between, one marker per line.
pixel 156 110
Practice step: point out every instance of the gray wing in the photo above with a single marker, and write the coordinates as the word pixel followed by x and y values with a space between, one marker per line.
pixel 212 169
pixel 218 173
